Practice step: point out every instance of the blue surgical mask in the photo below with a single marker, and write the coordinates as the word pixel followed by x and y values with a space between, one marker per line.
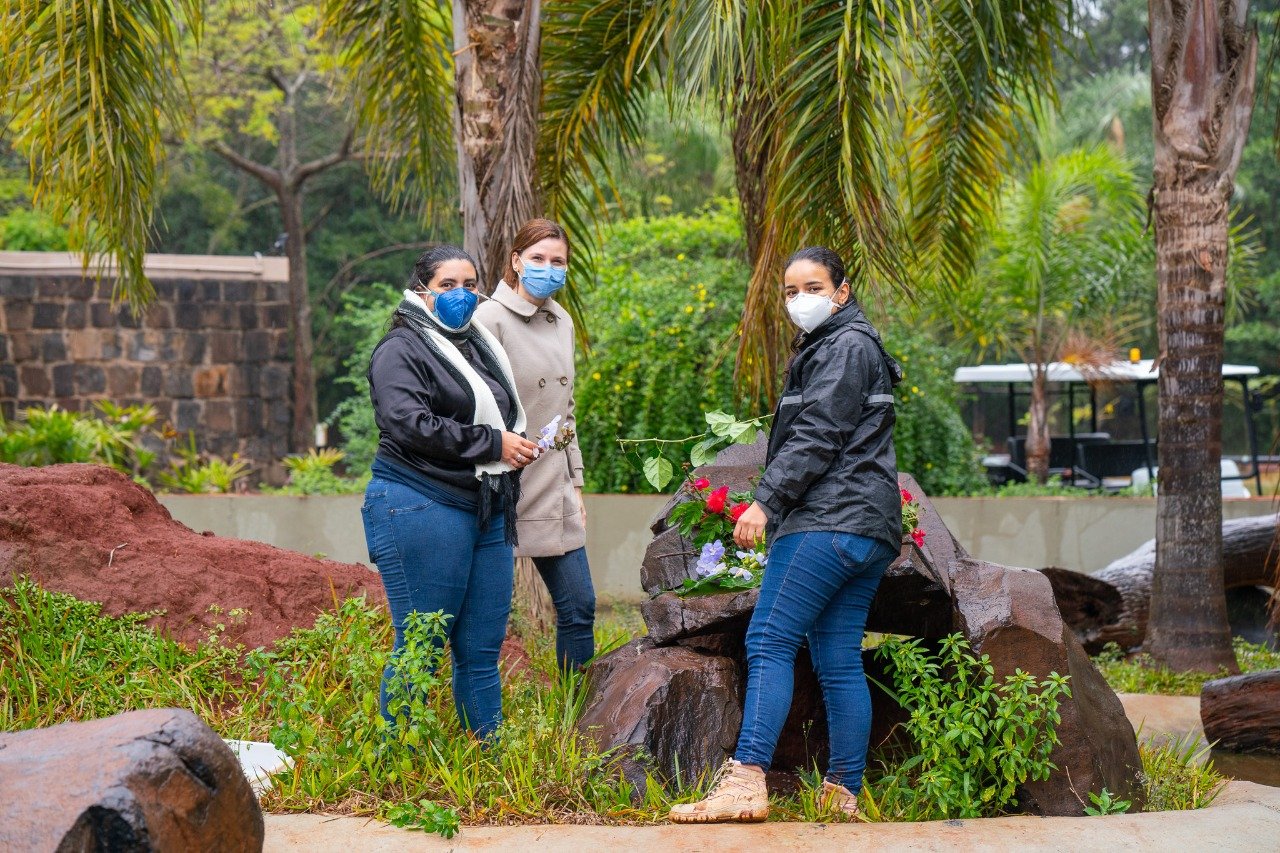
pixel 455 307
pixel 542 281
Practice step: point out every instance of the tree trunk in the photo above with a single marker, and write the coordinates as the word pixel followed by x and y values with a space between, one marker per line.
pixel 302 432
pixel 498 87
pixel 1038 427
pixel 1203 64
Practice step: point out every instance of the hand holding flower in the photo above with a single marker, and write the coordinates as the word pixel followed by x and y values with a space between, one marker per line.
pixel 749 530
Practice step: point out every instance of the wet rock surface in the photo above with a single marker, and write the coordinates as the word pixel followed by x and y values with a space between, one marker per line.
pixel 144 780
pixel 1241 712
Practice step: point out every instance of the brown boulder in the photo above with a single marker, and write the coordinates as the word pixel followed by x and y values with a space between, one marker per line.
pixel 1240 712
pixel 668 560
pixel 91 532
pixel 1010 615
pixel 680 706
pixel 670 617
pixel 145 780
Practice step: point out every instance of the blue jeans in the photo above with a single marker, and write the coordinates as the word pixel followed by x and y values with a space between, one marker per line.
pixel 819 586
pixel 568 579
pixel 432 556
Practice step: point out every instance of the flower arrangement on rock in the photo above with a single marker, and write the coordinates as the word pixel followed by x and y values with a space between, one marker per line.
pixel 707 519
pixel 911 519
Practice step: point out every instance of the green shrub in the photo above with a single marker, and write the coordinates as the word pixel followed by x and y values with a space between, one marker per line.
pixel 54 435
pixel 365 317
pixel 199 473
pixel 313 474
pixel 663 315
pixel 978 737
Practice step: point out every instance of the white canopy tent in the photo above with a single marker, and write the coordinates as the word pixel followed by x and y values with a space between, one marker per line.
pixel 1140 373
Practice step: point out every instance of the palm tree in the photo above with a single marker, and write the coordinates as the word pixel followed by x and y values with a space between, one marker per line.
pixel 1066 257
pixel 1203 63
pixel 874 127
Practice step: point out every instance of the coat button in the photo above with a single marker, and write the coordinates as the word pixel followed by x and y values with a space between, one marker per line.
pixel 542 383
pixel 564 380
pixel 526 319
pixel 551 318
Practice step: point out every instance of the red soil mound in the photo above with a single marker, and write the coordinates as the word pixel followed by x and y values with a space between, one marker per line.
pixel 60 525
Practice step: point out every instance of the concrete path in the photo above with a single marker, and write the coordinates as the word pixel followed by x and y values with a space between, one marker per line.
pixel 1245 817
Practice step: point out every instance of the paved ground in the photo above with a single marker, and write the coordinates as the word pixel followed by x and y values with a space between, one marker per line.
pixel 1245 817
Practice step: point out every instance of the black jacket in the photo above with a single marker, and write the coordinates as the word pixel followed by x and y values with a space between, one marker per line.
pixel 831 464
pixel 424 413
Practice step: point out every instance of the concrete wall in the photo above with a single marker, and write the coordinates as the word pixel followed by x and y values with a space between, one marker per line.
pixel 1083 534
pixel 210 353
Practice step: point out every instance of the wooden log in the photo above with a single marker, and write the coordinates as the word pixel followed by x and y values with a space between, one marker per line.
pixel 1239 712
pixel 1249 558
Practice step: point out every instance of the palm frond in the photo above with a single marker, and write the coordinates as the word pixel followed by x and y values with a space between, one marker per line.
pixel 985 67
pixel 397 62
pixel 87 87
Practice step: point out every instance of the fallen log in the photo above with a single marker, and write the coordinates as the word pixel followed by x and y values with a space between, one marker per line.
pixel 1239 712
pixel 1089 602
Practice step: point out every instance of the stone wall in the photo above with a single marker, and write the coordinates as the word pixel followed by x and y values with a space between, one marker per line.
pixel 211 353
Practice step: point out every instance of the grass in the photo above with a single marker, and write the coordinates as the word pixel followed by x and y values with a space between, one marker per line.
pixel 315 696
pixel 1178 774
pixel 1137 674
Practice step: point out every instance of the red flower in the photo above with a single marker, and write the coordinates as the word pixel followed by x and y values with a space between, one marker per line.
pixel 701 484
pixel 717 499
pixel 737 510
pixel 907 497
pixel 917 536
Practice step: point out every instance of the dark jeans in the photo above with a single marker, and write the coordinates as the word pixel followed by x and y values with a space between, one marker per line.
pixel 568 579
pixel 819 586
pixel 432 556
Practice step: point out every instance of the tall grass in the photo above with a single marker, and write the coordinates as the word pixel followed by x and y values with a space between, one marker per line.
pixel 315 695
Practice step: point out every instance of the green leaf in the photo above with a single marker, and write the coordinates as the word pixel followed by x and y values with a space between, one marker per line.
pixel 658 471
pixel 704 452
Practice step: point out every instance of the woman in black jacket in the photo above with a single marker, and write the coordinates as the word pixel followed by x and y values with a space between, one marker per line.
pixel 439 512
pixel 829 498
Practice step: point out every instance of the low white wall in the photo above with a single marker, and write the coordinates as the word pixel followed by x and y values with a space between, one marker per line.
pixel 1084 534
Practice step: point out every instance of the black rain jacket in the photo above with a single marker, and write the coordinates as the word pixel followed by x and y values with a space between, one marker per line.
pixel 424 412
pixel 831 464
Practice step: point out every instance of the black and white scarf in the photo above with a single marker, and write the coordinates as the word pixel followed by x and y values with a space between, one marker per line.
pixel 498 480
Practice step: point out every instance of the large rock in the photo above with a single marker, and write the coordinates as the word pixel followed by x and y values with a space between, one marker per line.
pixel 670 617
pixel 668 560
pixel 1241 712
pixel 145 780
pixel 1010 615
pixel 682 707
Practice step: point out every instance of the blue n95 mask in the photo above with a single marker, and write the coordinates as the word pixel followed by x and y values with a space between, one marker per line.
pixel 455 307
pixel 542 281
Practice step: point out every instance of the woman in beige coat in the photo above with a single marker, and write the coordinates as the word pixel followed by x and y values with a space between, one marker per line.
pixel 538 336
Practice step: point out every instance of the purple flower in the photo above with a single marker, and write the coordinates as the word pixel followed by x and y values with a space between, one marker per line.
pixel 709 561
pixel 547 435
pixel 741 573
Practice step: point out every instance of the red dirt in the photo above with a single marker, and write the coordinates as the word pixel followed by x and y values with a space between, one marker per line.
pixel 59 525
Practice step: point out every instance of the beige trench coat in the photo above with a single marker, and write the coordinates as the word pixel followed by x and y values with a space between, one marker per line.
pixel 539 342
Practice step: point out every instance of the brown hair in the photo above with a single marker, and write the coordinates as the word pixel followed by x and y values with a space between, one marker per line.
pixel 533 231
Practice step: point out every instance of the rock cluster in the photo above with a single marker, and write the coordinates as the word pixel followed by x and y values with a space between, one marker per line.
pixel 674 698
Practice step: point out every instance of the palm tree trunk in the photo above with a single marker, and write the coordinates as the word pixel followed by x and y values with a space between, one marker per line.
pixel 1038 427
pixel 1203 65
pixel 497 90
